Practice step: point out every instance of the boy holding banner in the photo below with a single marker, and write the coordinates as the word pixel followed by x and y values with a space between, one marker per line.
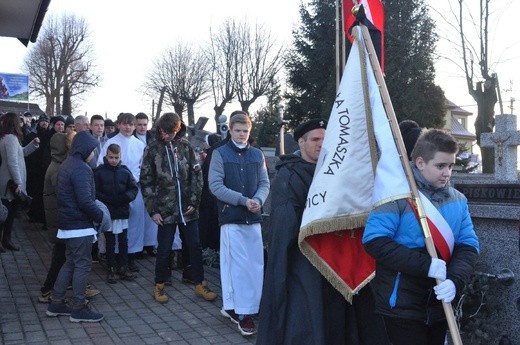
pixel 405 290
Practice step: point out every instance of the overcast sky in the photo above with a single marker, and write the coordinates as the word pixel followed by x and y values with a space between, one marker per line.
pixel 128 35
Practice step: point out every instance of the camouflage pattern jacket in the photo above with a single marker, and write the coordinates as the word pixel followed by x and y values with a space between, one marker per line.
pixel 164 168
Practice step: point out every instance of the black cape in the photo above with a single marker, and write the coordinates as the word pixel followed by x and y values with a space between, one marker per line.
pixel 298 305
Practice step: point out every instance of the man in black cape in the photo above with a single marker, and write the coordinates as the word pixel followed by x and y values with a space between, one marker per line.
pixel 299 306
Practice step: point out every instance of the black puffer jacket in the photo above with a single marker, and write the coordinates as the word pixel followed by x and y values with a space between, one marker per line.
pixel 76 190
pixel 116 188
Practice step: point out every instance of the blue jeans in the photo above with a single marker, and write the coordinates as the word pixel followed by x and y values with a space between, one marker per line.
pixel 165 235
pixel 77 267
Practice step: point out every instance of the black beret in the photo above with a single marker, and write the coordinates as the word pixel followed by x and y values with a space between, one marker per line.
pixel 410 132
pixel 109 122
pixel 309 126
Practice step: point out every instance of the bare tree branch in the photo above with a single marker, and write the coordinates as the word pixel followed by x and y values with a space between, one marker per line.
pixel 61 56
pixel 221 54
pixel 180 76
pixel 257 64
pixel 482 88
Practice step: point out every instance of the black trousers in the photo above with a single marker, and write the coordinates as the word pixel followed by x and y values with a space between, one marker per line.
pixel 190 239
pixel 57 261
pixel 122 257
pixel 6 228
pixel 415 332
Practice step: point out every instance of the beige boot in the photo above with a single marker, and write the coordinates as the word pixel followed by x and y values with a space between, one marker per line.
pixel 202 290
pixel 159 294
pixel 90 292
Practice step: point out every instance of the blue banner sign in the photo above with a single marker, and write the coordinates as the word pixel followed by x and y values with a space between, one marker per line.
pixel 14 87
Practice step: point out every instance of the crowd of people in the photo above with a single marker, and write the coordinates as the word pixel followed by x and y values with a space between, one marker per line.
pixel 120 190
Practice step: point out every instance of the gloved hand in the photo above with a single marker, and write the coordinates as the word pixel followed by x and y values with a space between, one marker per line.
pixel 437 269
pixel 445 291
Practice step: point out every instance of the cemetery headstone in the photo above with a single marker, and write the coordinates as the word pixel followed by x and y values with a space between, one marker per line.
pixel 504 140
pixel 494 203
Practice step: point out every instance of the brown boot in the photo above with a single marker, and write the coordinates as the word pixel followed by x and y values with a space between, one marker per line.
pixel 159 294
pixel 202 290
pixel 91 292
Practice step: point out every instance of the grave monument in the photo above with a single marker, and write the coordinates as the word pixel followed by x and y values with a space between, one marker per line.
pixel 494 203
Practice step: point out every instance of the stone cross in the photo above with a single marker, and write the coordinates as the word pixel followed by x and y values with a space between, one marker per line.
pixel 505 140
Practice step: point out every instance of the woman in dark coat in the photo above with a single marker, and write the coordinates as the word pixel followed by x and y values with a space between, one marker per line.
pixel 34 163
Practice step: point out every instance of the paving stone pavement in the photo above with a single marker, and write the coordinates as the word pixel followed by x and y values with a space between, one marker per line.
pixel 131 314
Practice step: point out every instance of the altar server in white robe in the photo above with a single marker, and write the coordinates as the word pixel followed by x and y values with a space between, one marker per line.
pixel 150 227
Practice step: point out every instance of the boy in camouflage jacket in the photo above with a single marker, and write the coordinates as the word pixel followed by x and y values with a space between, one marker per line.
pixel 171 183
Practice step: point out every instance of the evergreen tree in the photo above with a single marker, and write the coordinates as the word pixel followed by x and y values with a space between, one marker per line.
pixel 311 64
pixel 409 50
pixel 266 121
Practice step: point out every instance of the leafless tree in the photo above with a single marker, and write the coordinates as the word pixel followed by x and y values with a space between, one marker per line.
pixel 180 75
pixel 160 82
pixel 193 78
pixel 159 104
pixel 222 53
pixel 244 63
pixel 258 62
pixel 483 87
pixel 467 29
pixel 61 56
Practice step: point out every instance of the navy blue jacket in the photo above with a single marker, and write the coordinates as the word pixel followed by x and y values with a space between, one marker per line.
pixel 76 190
pixel 116 188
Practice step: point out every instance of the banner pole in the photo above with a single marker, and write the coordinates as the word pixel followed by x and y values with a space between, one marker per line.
pixel 338 28
pixel 343 37
pixel 448 309
pixel 281 134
